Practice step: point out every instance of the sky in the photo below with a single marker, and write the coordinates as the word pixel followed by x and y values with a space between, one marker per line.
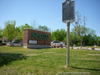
pixel 48 12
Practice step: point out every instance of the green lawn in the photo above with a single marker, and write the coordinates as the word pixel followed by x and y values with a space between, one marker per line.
pixel 20 61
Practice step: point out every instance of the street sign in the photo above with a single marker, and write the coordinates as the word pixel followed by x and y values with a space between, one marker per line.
pixel 68 11
pixel 68 17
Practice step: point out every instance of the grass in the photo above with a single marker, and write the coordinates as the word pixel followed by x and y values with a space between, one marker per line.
pixel 20 61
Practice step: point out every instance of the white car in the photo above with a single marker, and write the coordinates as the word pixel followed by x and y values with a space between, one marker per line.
pixel 14 43
pixel 9 44
pixel 57 44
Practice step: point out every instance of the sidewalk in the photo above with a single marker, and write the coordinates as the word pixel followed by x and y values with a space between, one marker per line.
pixel 86 48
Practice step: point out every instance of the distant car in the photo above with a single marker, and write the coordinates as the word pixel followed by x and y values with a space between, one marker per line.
pixel 9 44
pixel 14 43
pixel 57 44
pixel 17 43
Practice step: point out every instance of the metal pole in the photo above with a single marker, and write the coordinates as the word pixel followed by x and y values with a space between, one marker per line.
pixel 68 45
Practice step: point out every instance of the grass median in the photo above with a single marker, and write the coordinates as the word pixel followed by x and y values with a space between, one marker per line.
pixel 51 61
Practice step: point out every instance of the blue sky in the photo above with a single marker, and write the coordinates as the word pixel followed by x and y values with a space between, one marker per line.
pixel 47 12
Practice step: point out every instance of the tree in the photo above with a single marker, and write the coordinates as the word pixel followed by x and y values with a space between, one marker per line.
pixel 90 40
pixel 59 35
pixel 20 31
pixel 80 32
pixel 43 28
pixel 1 33
pixel 98 40
pixel 9 30
pixel 26 26
pixel 74 39
pixel 83 32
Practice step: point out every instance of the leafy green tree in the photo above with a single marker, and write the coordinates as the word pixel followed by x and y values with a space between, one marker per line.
pixel 43 28
pixel 89 40
pixel 20 31
pixel 74 39
pixel 98 41
pixel 26 26
pixel 80 32
pixel 83 32
pixel 59 35
pixel 9 30
pixel 1 33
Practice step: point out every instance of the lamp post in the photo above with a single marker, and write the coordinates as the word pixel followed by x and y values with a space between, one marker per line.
pixel 68 17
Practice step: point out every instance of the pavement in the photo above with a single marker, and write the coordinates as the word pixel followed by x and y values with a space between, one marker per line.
pixel 86 48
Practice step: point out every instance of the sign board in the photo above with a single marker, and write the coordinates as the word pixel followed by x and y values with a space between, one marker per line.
pixel 40 36
pixel 33 42
pixel 68 11
pixel 35 38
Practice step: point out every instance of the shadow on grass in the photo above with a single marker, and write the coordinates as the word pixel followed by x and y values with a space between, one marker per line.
pixel 41 48
pixel 6 58
pixel 92 69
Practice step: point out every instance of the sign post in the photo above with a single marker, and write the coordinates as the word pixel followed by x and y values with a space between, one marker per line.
pixel 68 17
pixel 68 45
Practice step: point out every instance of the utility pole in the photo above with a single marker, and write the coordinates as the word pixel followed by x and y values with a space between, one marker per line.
pixel 68 17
